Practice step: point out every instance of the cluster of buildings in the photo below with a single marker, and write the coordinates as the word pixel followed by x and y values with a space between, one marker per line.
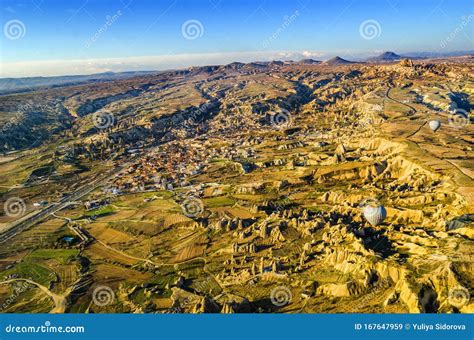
pixel 172 165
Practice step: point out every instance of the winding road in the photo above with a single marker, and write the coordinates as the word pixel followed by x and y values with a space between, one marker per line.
pixel 387 94
pixel 60 301
pixel 29 221
pixel 413 109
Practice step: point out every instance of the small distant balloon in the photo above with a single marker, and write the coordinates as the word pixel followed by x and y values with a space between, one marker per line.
pixel 434 125
pixel 375 214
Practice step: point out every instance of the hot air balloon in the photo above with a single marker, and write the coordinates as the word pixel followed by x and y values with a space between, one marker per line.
pixel 434 125
pixel 375 214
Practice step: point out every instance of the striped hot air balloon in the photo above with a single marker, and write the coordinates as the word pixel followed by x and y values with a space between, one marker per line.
pixel 375 214
pixel 434 125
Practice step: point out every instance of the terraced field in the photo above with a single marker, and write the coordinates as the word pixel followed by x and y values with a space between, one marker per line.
pixel 242 188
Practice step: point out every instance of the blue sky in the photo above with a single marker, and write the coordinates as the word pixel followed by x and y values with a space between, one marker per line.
pixel 70 30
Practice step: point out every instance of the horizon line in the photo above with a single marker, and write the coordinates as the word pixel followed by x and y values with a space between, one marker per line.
pixel 169 62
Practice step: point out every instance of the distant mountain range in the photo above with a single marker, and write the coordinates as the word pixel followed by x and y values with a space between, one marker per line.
pixel 8 85
pixel 392 56
pixel 309 61
pixel 426 55
pixel 338 61
pixel 386 56
pixel 15 85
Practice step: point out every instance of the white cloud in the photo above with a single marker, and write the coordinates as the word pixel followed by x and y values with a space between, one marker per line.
pixel 144 63
pixel 310 54
pixel 9 9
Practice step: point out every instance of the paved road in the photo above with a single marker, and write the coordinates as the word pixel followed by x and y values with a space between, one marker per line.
pixel 28 222
pixel 421 126
pixel 60 301
pixel 397 101
pixel 413 109
pixel 459 168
